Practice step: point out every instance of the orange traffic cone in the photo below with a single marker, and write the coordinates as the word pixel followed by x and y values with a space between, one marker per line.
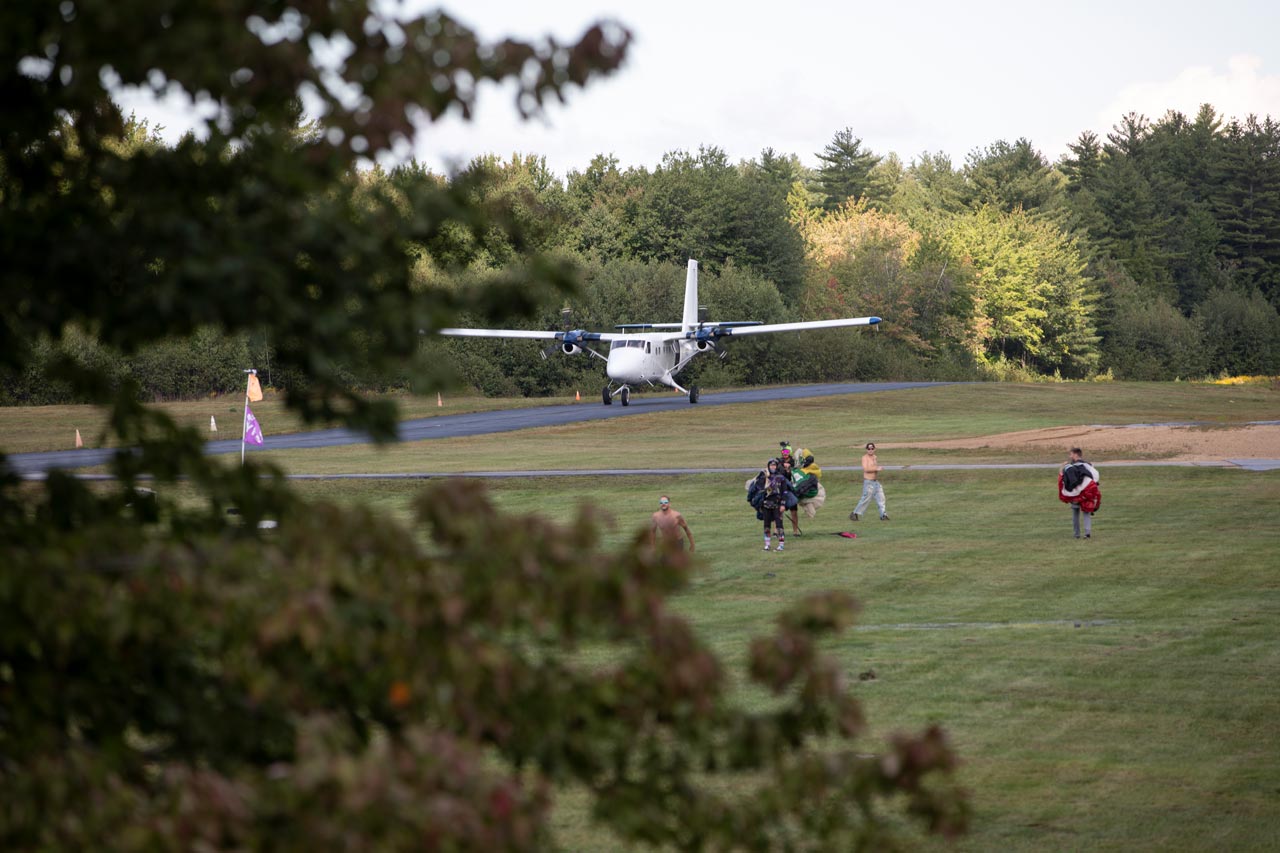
pixel 79 442
pixel 439 399
pixel 577 396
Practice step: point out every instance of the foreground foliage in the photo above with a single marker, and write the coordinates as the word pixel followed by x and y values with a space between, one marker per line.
pixel 169 679
pixel 343 681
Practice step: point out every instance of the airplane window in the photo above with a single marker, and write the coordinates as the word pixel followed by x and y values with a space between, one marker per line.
pixel 646 348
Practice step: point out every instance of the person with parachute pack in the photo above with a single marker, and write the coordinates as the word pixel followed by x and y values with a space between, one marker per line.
pixel 1078 486
pixel 767 493
pixel 806 481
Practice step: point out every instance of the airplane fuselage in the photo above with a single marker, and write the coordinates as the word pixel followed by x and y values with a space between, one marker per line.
pixel 652 359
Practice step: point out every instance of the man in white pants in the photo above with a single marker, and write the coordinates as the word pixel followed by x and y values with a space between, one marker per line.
pixel 870 484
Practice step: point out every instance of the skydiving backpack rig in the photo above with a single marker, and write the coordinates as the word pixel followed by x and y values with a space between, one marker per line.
pixel 774 496
pixel 1073 475
pixel 756 490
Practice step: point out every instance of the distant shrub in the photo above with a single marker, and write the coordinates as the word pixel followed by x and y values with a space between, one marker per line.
pixel 1241 333
pixel 207 362
pixel 1151 340
pixel 34 385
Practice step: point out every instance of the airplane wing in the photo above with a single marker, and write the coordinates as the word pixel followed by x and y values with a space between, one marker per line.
pixel 497 333
pixel 727 329
pixel 571 337
pixel 715 331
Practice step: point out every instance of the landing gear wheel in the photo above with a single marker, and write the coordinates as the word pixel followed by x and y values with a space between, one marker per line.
pixel 693 393
pixel 625 394
pixel 606 397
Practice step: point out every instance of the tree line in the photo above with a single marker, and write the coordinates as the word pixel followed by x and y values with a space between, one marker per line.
pixel 1151 254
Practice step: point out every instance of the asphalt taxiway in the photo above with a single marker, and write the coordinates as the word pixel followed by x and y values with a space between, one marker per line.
pixel 477 423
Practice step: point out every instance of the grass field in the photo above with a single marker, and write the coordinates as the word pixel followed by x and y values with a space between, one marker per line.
pixel 1152 725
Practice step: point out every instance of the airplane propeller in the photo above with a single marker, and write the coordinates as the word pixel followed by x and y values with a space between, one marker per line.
pixel 571 341
pixel 709 338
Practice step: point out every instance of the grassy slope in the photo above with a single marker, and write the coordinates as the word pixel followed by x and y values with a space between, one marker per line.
pixel 1150 726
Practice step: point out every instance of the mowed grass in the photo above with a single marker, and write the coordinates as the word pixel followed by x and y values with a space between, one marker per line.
pixel 1152 725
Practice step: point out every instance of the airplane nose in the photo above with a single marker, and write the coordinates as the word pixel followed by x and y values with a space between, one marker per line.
pixel 624 365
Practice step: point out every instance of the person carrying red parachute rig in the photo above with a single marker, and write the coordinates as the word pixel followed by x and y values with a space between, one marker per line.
pixel 1078 486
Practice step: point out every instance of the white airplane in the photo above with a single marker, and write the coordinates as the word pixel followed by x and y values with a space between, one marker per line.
pixel 638 356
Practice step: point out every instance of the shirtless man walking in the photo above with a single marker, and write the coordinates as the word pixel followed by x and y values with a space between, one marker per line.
pixel 870 484
pixel 668 522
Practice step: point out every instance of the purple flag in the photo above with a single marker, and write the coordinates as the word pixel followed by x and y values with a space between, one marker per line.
pixel 252 432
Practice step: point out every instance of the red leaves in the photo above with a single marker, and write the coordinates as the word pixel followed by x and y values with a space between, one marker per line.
pixel 399 694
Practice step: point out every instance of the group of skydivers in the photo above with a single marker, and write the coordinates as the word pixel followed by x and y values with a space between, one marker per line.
pixel 790 482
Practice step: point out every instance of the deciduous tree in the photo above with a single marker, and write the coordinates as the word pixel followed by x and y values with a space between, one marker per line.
pixel 1031 301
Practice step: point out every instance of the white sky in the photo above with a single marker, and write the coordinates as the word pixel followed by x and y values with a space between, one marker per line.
pixel 907 78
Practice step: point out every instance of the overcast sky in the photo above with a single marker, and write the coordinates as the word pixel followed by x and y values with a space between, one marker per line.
pixel 907 78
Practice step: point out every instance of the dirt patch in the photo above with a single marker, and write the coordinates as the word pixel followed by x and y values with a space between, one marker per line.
pixel 1176 443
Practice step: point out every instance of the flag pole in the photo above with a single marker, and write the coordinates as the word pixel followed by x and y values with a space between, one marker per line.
pixel 244 423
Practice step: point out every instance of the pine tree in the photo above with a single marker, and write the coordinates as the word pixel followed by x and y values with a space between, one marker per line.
pixel 1181 154
pixel 1127 200
pixel 1247 203
pixel 845 174
pixel 1082 169
pixel 1011 177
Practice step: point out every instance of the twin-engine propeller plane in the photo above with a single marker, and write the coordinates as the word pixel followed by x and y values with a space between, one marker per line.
pixel 637 355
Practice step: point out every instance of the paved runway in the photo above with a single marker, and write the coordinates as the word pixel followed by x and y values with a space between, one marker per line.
pixel 479 423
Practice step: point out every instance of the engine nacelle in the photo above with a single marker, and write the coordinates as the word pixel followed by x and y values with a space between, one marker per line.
pixel 570 349
pixel 703 346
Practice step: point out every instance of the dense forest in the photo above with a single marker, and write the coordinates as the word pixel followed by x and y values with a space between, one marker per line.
pixel 1151 254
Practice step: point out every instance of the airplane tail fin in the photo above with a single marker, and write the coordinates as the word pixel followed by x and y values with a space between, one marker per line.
pixel 690 319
